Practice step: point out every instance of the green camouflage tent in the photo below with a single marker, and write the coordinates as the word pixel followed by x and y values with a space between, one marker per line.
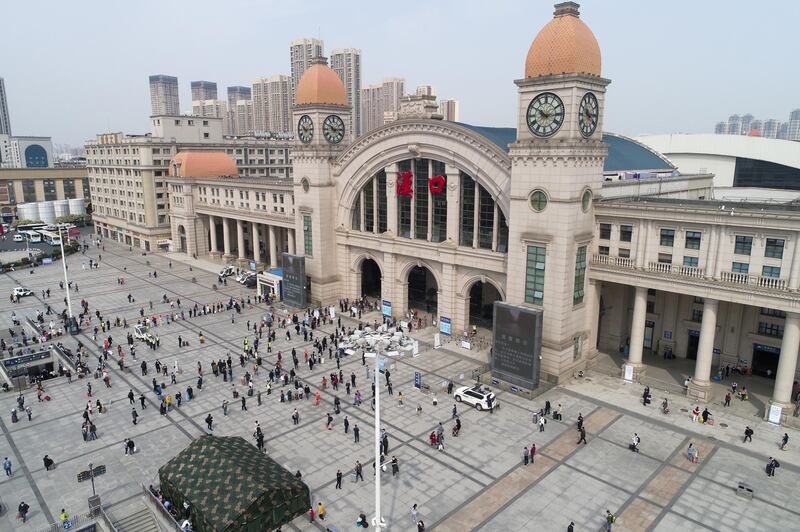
pixel 232 487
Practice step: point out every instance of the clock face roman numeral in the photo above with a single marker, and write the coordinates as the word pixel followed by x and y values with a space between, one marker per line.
pixel 333 129
pixel 588 114
pixel 305 129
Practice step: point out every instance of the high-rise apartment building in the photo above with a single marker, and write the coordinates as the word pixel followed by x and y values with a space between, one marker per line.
pixel 770 129
pixel 426 90
pixel 164 95
pixel 783 131
pixel 746 125
pixel 346 62
pixel 734 125
pixel 380 103
pixel 756 125
pixel 793 126
pixel 301 52
pixel 272 104
pixel 5 121
pixel 204 90
pixel 234 95
pixel 721 128
pixel 449 110
pixel 213 109
pixel 243 117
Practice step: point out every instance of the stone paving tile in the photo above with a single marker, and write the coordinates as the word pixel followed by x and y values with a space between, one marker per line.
pixel 562 496
pixel 704 448
pixel 656 441
pixel 672 522
pixel 496 496
pixel 665 485
pixel 637 516
pixel 614 464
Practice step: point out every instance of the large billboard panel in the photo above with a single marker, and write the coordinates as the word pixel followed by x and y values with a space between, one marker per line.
pixel 517 344
pixel 294 280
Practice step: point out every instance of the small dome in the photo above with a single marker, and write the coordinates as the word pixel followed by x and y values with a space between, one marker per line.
pixel 202 164
pixel 564 46
pixel 320 85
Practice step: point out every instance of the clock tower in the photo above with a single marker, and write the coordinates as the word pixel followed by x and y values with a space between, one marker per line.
pixel 322 121
pixel 556 171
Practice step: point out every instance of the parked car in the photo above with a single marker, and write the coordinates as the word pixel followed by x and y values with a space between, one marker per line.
pixel 19 238
pixel 251 281
pixel 227 271
pixel 244 276
pixel 477 396
pixel 20 291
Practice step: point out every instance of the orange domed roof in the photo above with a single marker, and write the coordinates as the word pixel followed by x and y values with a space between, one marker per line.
pixel 564 46
pixel 755 132
pixel 320 85
pixel 202 164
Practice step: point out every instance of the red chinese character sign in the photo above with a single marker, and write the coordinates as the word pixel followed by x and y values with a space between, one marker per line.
pixel 405 184
pixel 436 184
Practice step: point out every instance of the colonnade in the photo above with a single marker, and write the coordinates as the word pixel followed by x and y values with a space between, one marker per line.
pixel 274 240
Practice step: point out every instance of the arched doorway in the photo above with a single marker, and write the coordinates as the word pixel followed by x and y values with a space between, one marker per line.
pixel 481 303
pixel 422 290
pixel 370 279
pixel 182 239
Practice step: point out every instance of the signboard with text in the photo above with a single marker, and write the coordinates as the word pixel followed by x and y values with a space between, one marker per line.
pixel 294 280
pixel 517 344
pixel 386 307
pixel 444 326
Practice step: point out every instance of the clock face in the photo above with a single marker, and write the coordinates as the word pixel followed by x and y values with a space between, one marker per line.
pixel 333 129
pixel 587 114
pixel 545 114
pixel 305 129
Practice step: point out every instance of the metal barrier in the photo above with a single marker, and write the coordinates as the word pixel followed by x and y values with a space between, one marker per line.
pixel 153 500
pixel 107 522
pixel 77 522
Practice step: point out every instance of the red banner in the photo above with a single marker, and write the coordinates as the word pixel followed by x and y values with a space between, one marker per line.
pixel 436 184
pixel 405 184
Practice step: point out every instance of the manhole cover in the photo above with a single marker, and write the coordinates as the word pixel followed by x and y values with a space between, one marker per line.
pixel 684 409
pixel 723 425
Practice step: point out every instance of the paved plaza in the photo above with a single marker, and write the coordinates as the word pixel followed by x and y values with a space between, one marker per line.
pixel 477 483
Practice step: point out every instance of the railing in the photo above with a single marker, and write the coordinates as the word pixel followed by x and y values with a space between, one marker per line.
pixel 758 281
pixel 77 522
pixel 107 522
pixel 160 507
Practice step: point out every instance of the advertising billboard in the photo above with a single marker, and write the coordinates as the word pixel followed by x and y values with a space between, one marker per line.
pixel 517 344
pixel 294 280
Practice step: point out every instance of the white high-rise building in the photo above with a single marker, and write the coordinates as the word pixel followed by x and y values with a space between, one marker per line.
pixel 771 128
pixel 5 121
pixel 426 90
pixel 721 128
pixel 734 125
pixel 380 103
pixel 243 117
pixel 793 128
pixel 449 109
pixel 164 95
pixel 301 52
pixel 747 121
pixel 234 95
pixel 346 62
pixel 213 109
pixel 271 104
pixel 204 90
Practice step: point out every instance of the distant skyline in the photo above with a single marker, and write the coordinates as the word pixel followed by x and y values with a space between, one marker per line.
pixel 675 66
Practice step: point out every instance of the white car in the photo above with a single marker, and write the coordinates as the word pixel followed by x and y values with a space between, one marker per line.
pixel 22 292
pixel 140 333
pixel 477 396
pixel 244 276
pixel 19 238
pixel 227 271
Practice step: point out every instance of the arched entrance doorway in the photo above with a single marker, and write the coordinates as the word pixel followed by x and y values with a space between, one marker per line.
pixel 182 239
pixel 481 303
pixel 370 279
pixel 422 290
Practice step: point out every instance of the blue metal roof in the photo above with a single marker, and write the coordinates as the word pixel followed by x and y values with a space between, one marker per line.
pixel 624 154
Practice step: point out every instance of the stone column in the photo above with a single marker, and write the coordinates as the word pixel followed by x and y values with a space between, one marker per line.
pixel 700 386
pixel 476 215
pixel 718 261
pixel 240 241
pixel 787 364
pixel 273 248
pixel 593 291
pixel 637 329
pixel 256 247
pixel 711 256
pixel 453 202
pixel 794 275
pixel 290 237
pixel 226 239
pixel 391 198
pixel 212 227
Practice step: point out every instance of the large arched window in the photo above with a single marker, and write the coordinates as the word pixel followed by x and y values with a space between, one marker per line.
pixel 35 157
pixel 423 215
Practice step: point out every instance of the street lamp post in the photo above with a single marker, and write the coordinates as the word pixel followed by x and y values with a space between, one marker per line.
pixel 71 324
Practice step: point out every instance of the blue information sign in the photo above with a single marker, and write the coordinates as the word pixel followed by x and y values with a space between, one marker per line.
pixel 387 308
pixel 445 326
pixel 417 379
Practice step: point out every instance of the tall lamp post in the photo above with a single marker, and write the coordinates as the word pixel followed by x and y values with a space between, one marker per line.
pixel 72 324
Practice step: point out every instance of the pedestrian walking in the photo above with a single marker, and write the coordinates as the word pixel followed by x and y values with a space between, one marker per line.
pixel 748 435
pixel 321 511
pixel 533 452
pixel 414 514
pixel 338 479
pixel 526 456
pixel 542 423
pixel 784 441
pixel 131 397
pixel 395 466
pixel 7 466
pixel 355 433
pixel 209 422
pixel 346 424
pixel 772 465
pixel 22 509
pixel 359 471
pixel 610 519
pixel 141 401
pixel 727 399
pixel 583 436
pixel 134 415
pixel 244 403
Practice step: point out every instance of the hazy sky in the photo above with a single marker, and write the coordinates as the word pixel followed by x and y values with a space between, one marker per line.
pixel 75 69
